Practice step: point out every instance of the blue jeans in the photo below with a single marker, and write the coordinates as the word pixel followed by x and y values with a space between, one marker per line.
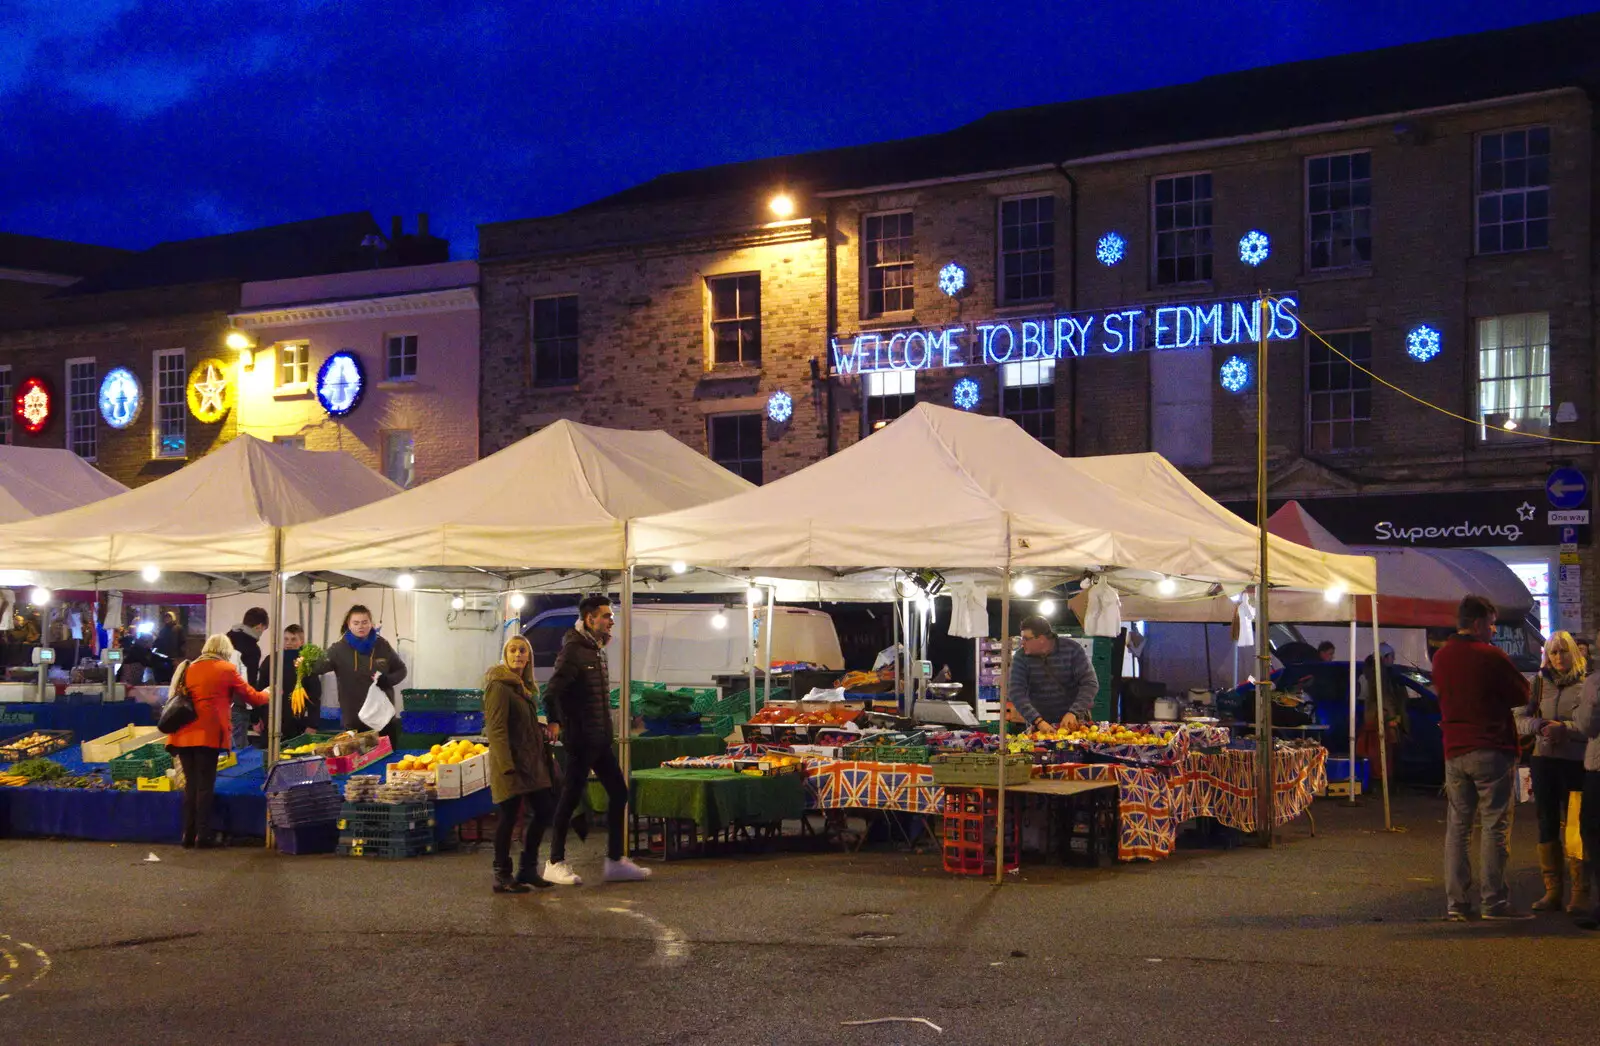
pixel 1479 783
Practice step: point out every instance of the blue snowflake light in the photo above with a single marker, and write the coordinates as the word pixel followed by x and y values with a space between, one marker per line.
pixel 780 406
pixel 341 380
pixel 1423 343
pixel 1254 246
pixel 1111 248
pixel 1235 374
pixel 965 393
pixel 952 279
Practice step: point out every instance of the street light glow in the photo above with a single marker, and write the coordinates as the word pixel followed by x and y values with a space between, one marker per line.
pixel 405 582
pixel 781 205
pixel 151 573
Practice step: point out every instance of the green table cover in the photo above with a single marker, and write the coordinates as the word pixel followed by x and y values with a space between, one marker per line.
pixel 715 799
pixel 646 753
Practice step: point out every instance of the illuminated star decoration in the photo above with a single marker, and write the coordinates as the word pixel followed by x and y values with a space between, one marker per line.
pixel 120 398
pixel 1111 248
pixel 211 390
pixel 952 278
pixel 340 384
pixel 35 406
pixel 1423 343
pixel 780 406
pixel 1254 246
pixel 1525 512
pixel 966 393
pixel 1235 374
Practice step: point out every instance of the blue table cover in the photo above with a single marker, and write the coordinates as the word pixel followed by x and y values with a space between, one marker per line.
pixel 86 722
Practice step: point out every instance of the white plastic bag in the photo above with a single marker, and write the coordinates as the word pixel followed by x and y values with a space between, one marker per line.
pixel 377 710
pixel 824 694
pixel 1104 617
pixel 1524 784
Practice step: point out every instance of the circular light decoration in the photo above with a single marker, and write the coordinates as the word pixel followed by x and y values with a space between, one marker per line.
pixel 1235 374
pixel 340 382
pixel 952 279
pixel 32 405
pixel 210 391
pixel 1111 248
pixel 780 406
pixel 1423 343
pixel 966 393
pixel 1254 246
pixel 120 397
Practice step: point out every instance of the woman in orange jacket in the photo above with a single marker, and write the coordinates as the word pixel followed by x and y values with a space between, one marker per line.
pixel 213 683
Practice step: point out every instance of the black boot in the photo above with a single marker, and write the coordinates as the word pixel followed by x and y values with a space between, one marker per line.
pixel 528 874
pixel 504 883
pixel 580 826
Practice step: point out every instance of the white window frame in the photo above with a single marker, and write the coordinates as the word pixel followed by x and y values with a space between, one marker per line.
pixel 302 364
pixel 91 414
pixel 883 385
pixel 868 268
pixel 1532 418
pixel 7 406
pixel 1478 192
pixel 1029 374
pixel 389 358
pixel 1155 230
pixel 1352 262
pixel 1352 417
pixel 712 321
pixel 387 444
pixel 1000 248
pixel 156 405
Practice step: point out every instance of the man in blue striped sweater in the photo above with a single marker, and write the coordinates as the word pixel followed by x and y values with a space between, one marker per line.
pixel 1052 682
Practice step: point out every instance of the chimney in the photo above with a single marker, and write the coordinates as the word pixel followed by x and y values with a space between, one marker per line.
pixel 396 228
pixel 422 225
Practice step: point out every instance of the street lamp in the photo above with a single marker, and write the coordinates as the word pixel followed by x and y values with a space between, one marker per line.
pixel 244 345
pixel 781 205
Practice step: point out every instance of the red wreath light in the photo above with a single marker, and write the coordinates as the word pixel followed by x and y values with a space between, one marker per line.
pixel 33 405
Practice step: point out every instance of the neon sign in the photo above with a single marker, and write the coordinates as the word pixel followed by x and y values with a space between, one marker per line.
pixel 1144 329
pixel 1111 248
pixel 966 393
pixel 1423 343
pixel 952 278
pixel 780 406
pixel 1235 374
pixel 340 382
pixel 120 397
pixel 209 391
pixel 32 405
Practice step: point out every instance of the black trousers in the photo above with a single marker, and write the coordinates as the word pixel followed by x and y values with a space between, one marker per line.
pixel 1553 779
pixel 199 790
pixel 539 808
pixel 603 762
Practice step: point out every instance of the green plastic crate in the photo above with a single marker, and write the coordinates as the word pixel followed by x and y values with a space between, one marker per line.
pixel 442 700
pixel 889 748
pixel 150 760
pixel 979 770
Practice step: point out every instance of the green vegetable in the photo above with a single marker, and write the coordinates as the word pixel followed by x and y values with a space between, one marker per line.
pixel 310 654
pixel 39 769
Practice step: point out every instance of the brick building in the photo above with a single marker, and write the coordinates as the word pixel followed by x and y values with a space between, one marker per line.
pixel 1432 196
pixel 115 358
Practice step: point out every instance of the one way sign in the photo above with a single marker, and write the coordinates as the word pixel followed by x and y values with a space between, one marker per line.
pixel 1566 488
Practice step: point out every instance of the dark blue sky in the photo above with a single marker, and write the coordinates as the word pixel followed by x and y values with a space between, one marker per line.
pixel 128 122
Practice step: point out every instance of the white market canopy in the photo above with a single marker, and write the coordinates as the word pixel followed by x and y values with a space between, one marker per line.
pixel 943 489
pixel 218 514
pixel 38 482
pixel 557 499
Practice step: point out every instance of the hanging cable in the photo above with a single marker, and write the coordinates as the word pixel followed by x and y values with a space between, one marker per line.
pixel 1434 406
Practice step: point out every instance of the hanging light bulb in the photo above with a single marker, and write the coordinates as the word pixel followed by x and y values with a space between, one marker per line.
pixel 39 597
pixel 518 601
pixel 458 603
pixel 680 567
pixel 1023 586
pixel 151 573
pixel 1047 607
pixel 719 621
pixel 1167 586
pixel 1334 594
pixel 405 582
pixel 755 597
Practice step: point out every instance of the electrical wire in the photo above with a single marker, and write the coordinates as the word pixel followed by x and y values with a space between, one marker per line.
pixel 1434 406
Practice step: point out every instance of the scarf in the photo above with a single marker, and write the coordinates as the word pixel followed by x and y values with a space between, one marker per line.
pixel 1572 677
pixel 362 646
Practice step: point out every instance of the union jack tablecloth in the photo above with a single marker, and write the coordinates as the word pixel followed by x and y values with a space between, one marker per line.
pixel 1223 785
pixel 903 787
pixel 1152 801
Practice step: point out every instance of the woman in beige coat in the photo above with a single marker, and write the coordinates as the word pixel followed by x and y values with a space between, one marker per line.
pixel 520 774
pixel 1549 719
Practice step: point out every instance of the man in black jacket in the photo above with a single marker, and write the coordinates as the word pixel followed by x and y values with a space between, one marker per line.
pixel 578 705
pixel 246 640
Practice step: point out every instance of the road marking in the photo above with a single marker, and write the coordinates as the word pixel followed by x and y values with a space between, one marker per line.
pixel 672 948
pixel 14 963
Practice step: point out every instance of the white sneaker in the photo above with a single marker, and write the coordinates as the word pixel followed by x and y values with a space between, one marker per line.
pixel 623 871
pixel 560 873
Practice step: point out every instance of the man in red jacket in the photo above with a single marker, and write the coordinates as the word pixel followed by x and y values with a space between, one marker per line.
pixel 1478 686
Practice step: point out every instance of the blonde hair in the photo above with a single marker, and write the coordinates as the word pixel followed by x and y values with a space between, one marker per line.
pixel 527 669
pixel 217 646
pixel 1564 641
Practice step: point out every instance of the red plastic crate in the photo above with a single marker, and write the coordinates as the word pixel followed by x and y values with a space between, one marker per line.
pixel 970 829
pixel 348 764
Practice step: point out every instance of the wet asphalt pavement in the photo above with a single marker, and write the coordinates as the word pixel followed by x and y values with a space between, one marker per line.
pixel 1332 939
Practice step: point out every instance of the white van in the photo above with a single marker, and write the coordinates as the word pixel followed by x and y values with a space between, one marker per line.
pixel 681 644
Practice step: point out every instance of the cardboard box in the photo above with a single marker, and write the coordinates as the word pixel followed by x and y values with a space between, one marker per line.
pixel 104 749
pixel 395 775
pixel 456 780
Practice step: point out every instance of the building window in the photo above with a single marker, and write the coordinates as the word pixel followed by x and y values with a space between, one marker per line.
pixel 735 319
pixel 1339 210
pixel 1028 397
pixel 172 409
pixel 1338 396
pixel 888 255
pixel 1514 372
pixel 83 407
pixel 1182 222
pixel 1514 190
pixel 400 457
pixel 735 442
pixel 6 406
pixel 1027 249
pixel 555 340
pixel 890 393
pixel 292 442
pixel 400 357
pixel 294 364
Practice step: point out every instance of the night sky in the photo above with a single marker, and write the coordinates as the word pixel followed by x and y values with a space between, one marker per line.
pixel 129 122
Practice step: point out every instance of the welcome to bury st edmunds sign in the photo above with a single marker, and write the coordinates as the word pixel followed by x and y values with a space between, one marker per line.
pixel 1150 328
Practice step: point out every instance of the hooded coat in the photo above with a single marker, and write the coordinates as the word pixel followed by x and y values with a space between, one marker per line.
pixel 519 762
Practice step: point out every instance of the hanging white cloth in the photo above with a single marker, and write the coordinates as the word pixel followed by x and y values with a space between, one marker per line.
pixel 1244 619
pixel 969 611
pixel 1104 615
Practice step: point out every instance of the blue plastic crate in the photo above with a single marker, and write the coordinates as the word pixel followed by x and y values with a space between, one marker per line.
pixel 441 722
pixel 1339 770
pixel 331 715
pixel 290 773
pixel 307 839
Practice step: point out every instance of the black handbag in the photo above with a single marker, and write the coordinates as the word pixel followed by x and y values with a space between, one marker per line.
pixel 179 711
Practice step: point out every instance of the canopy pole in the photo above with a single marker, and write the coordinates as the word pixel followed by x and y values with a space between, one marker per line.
pixel 1000 727
pixel 750 641
pixel 625 735
pixel 275 696
pixel 1383 726
pixel 1265 812
pixel 766 657
pixel 1352 674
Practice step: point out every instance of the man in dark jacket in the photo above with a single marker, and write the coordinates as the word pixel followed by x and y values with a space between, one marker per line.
pixel 578 705
pixel 246 640
pixel 1478 690
pixel 1052 682
pixel 294 637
